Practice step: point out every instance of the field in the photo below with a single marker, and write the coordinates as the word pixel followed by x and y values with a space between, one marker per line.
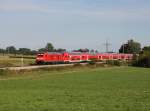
pixel 84 89
pixel 11 60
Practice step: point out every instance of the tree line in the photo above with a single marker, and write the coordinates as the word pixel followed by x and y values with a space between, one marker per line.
pixel 14 50
pixel 26 51
pixel 130 47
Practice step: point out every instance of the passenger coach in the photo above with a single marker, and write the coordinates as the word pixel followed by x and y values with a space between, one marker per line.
pixel 75 57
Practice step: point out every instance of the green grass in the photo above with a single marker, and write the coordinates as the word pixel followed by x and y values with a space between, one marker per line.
pixel 98 89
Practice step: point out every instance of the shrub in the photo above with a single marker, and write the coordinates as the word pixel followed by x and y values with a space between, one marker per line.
pixel 110 62
pixel 142 62
pixel 117 63
pixel 91 63
pixel 114 62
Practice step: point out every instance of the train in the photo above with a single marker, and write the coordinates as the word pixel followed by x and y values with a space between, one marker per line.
pixel 77 57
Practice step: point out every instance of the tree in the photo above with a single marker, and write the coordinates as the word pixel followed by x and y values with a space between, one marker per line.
pixel 49 47
pixel 2 51
pixel 92 51
pixel 146 48
pixel 96 51
pixel 41 50
pixel 83 50
pixel 24 51
pixel 11 50
pixel 143 59
pixel 60 50
pixel 130 47
pixel 33 52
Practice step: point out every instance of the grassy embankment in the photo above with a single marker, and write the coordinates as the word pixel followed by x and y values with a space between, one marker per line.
pixel 77 89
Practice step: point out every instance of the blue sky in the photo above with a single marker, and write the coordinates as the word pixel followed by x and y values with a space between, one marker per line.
pixel 74 24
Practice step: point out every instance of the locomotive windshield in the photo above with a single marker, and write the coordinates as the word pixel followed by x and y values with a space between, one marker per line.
pixel 40 55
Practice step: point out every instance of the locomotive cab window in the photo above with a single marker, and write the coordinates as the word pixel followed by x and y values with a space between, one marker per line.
pixel 40 55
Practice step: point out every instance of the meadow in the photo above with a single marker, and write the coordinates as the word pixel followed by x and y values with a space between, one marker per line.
pixel 15 60
pixel 77 89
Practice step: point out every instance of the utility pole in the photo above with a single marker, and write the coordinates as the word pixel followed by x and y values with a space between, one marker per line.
pixel 107 44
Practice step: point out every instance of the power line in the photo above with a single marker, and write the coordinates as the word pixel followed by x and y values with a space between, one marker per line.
pixel 107 44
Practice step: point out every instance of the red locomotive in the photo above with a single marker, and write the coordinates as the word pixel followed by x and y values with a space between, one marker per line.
pixel 75 57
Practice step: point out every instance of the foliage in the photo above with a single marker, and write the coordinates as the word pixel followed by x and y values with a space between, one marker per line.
pixel 118 63
pixel 24 51
pixel 42 50
pixel 83 50
pixel 130 47
pixel 143 62
pixel 91 62
pixel 49 47
pixel 114 62
pixel 143 59
pixel 2 51
pixel 11 50
pixel 146 48
pixel 60 50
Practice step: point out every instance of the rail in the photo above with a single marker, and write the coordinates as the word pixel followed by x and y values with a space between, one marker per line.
pixel 41 66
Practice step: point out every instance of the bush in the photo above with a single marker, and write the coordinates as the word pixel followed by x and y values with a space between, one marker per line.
pixel 117 63
pixel 142 62
pixel 91 63
pixel 110 62
pixel 114 62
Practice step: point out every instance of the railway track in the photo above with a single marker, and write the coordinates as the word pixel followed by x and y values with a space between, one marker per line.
pixel 38 67
pixel 35 67
pixel 42 66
